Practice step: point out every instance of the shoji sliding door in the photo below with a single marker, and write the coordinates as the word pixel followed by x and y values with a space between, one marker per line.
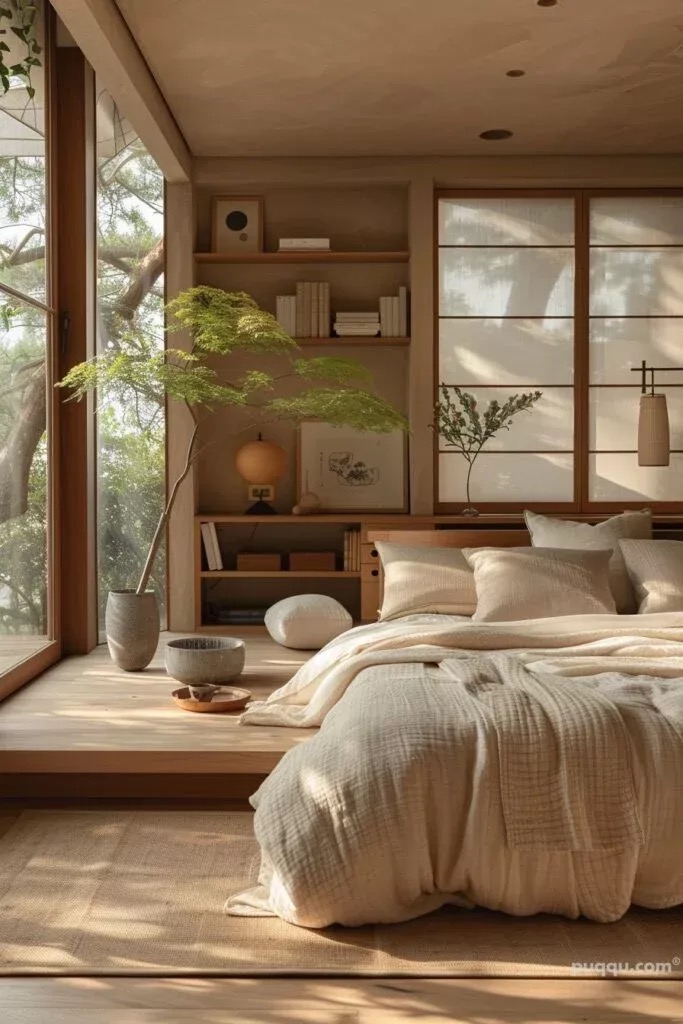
pixel 636 313
pixel 506 304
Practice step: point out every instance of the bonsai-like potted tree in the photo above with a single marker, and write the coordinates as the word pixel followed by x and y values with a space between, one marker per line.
pixel 220 324
pixel 461 425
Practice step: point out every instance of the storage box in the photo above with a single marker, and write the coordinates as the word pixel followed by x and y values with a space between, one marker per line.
pixel 262 562
pixel 312 561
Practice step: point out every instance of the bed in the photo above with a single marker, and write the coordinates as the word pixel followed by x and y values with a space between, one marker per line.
pixel 524 766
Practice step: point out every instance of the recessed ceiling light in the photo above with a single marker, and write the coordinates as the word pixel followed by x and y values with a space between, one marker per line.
pixel 547 3
pixel 515 73
pixel 495 133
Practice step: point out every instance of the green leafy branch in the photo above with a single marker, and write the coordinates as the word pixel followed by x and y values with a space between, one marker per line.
pixel 461 425
pixel 19 19
pixel 220 324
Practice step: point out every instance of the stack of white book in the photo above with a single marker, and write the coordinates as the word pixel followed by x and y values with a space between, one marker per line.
pixel 359 325
pixel 303 244
pixel 306 314
pixel 393 314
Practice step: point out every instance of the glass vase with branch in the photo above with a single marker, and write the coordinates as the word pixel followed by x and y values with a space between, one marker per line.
pixel 461 425
pixel 222 326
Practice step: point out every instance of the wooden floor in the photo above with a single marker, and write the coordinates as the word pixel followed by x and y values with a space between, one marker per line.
pixel 85 715
pixel 313 1001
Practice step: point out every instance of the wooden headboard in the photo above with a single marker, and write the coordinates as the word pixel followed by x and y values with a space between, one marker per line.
pixel 454 538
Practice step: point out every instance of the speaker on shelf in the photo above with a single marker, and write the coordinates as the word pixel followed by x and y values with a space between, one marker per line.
pixel 237 224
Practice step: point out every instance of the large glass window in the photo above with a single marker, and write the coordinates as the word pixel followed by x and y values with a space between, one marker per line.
pixel 506 325
pixel 25 330
pixel 636 306
pixel 130 298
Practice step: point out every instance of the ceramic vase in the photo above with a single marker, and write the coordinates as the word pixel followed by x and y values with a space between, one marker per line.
pixel 132 628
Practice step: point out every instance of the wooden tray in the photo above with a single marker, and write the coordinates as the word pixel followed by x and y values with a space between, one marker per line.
pixel 228 698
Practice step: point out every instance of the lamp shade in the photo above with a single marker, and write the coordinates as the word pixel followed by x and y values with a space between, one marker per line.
pixel 653 431
pixel 261 462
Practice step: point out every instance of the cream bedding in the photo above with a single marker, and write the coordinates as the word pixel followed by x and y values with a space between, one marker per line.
pixel 525 767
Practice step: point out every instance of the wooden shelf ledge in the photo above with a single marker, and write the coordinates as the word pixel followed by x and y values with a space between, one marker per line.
pixel 357 340
pixel 310 574
pixel 321 256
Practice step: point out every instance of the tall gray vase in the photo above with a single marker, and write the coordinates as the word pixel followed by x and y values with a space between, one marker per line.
pixel 132 625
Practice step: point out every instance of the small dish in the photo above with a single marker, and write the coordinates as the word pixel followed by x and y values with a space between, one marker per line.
pixel 227 698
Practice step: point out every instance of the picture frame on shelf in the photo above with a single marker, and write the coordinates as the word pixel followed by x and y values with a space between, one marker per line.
pixel 237 224
pixel 353 470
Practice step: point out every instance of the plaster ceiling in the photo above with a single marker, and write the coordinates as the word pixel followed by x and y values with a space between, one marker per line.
pixel 416 77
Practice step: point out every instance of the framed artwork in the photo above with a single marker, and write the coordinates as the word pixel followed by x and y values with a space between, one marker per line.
pixel 237 224
pixel 352 470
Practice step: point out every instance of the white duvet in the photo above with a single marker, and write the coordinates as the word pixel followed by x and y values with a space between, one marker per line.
pixel 525 767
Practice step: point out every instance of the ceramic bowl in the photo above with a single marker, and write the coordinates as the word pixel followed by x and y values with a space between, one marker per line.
pixel 203 660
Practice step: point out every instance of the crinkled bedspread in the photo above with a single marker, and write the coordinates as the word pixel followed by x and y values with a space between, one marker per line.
pixel 523 767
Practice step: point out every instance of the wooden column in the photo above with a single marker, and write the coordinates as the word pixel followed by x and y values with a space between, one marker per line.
pixel 421 393
pixel 76 269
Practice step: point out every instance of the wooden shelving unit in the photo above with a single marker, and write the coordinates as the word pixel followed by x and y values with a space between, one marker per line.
pixel 325 256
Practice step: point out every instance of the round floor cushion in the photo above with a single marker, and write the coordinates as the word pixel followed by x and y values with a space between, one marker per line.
pixel 307 621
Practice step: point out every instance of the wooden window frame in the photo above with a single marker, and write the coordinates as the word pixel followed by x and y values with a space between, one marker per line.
pixel 581 503
pixel 51 650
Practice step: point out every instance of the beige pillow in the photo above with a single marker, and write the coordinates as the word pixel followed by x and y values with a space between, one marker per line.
pixel 307 621
pixel 539 583
pixel 656 571
pixel 563 533
pixel 425 579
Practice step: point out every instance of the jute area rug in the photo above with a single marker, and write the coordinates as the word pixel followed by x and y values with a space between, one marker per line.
pixel 141 893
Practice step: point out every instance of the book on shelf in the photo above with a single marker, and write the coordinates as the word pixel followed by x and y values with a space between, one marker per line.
pixel 300 333
pixel 402 312
pixel 357 324
pixel 303 244
pixel 351 550
pixel 285 312
pixel 239 616
pixel 212 549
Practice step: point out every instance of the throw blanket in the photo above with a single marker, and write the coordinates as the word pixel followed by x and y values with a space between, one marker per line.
pixel 524 767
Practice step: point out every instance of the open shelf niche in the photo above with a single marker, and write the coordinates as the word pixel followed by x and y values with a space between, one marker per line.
pixel 368 231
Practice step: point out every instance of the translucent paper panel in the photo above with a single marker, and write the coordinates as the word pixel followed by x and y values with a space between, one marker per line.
pixel 24 484
pixel 620 478
pixel 23 167
pixel 549 424
pixel 636 282
pixel 614 417
pixel 507 478
pixel 617 344
pixel 502 221
pixel 506 282
pixel 652 220
pixel 517 352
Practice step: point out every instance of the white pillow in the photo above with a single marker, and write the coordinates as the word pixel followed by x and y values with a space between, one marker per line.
pixel 563 533
pixel 307 621
pixel 656 571
pixel 425 579
pixel 538 583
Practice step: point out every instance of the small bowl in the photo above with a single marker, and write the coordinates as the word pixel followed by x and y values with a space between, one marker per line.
pixel 201 660
pixel 229 699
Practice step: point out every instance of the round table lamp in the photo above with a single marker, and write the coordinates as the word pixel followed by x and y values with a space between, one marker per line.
pixel 260 463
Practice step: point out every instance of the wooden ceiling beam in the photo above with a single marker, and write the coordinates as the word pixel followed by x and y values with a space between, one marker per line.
pixel 100 31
